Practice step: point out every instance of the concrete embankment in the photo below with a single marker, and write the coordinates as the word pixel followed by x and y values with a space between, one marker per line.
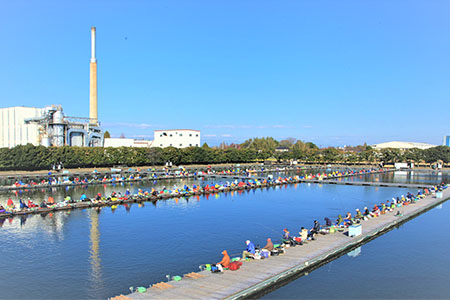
pixel 256 276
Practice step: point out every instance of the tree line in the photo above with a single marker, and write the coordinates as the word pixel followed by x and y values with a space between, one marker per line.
pixel 29 157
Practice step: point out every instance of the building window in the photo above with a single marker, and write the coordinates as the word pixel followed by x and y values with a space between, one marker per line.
pixel 196 145
pixel 196 135
pixel 170 134
pixel 171 145
pixel 181 145
pixel 190 134
pixel 190 145
pixel 181 134
pixel 160 135
pixel 160 145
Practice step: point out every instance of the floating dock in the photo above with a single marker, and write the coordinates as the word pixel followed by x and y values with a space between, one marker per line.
pixel 145 176
pixel 256 276
pixel 333 180
pixel 153 198
pixel 370 183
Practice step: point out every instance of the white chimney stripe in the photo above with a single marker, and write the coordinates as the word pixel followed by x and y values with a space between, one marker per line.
pixel 93 59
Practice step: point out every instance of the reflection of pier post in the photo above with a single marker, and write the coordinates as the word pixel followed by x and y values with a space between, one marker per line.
pixel 94 237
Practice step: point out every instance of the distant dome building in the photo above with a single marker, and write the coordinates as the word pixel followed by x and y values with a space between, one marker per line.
pixel 402 145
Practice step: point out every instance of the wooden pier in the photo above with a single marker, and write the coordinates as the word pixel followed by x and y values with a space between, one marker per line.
pixel 257 275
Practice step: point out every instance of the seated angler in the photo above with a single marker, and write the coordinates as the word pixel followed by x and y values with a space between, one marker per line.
pixel 315 230
pixel 249 251
pixel 304 234
pixel 268 247
pixel 392 206
pixel 375 211
pixel 340 221
pixel 30 203
pixel 388 205
pixel 348 219
pixel 10 204
pixel 50 201
pixel 287 239
pixel 225 262
pixel 98 197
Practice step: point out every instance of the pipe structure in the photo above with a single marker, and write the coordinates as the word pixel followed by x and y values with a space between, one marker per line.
pixel 93 105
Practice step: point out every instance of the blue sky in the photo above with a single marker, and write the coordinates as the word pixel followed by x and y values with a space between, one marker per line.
pixel 331 72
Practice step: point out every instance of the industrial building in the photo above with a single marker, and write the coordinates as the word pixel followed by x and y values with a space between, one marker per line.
pixel 49 126
pixel 402 145
pixel 124 142
pixel 179 138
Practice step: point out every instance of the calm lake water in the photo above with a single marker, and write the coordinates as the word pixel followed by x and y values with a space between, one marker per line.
pixel 98 254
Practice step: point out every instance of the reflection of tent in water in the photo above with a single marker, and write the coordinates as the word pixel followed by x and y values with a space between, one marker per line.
pixel 355 253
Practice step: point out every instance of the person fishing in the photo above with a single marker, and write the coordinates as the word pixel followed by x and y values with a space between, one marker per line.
pixel 268 247
pixel 315 230
pixel 10 204
pixel 348 219
pixel 22 204
pixel 287 239
pixel 225 262
pixel 250 251
pixel 340 221
pixel 303 234
pixel 366 213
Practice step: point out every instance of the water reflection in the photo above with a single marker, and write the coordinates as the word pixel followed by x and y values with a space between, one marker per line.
pixel 94 259
pixel 355 253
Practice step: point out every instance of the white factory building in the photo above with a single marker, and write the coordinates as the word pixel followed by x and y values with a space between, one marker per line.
pixel 124 142
pixel 13 129
pixel 178 138
pixel 46 126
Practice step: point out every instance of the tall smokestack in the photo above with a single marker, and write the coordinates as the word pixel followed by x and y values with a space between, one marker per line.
pixel 93 115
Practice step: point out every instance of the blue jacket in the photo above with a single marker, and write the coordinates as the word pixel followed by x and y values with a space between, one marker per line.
pixel 22 205
pixel 251 248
